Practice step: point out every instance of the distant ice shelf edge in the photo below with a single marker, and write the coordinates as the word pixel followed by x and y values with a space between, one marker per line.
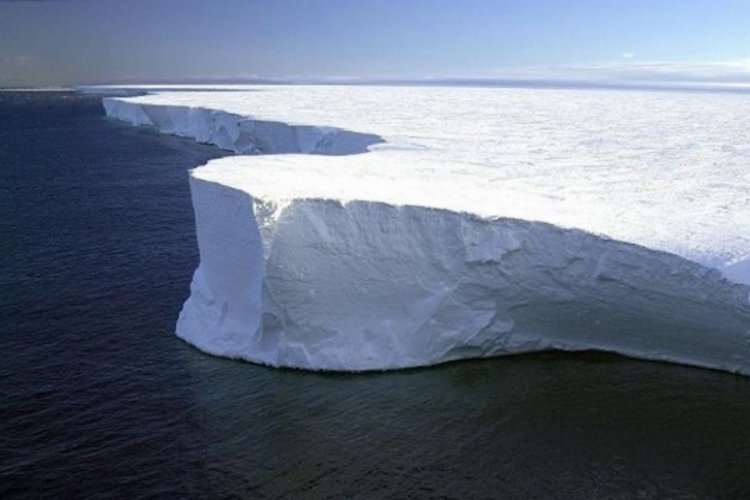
pixel 356 285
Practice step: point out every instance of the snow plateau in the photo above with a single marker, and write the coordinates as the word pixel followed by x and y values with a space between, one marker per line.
pixel 412 226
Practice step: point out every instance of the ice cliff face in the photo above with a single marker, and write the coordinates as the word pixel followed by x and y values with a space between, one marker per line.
pixel 238 133
pixel 391 259
pixel 366 285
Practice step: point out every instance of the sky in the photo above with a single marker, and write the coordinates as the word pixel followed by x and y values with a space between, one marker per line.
pixel 67 42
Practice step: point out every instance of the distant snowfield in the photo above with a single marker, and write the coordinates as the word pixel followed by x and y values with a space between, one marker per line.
pixel 413 225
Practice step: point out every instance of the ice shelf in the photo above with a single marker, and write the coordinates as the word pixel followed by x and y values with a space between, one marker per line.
pixel 412 226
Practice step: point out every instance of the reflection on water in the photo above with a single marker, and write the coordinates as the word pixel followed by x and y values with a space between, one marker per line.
pixel 98 397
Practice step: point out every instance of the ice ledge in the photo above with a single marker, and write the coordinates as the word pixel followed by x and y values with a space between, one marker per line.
pixel 363 285
pixel 237 133
pixel 293 278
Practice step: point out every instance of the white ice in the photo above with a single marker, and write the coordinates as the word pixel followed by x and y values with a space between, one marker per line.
pixel 441 223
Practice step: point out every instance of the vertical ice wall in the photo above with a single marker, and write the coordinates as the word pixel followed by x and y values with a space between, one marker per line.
pixel 321 283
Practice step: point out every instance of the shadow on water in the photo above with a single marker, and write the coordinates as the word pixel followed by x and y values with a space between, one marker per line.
pixel 98 397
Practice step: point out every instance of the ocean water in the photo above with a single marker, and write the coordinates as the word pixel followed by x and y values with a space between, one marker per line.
pixel 98 398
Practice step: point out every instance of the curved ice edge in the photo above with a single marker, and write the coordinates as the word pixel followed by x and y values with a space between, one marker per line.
pixel 591 293
pixel 237 133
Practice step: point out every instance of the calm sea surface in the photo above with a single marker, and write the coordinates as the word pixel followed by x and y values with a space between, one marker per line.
pixel 99 399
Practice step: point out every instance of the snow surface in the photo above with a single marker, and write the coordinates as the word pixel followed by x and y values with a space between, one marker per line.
pixel 442 223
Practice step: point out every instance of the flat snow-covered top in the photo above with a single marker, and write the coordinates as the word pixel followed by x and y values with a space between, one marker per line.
pixel 667 170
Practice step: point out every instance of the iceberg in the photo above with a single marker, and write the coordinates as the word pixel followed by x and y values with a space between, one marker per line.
pixel 405 227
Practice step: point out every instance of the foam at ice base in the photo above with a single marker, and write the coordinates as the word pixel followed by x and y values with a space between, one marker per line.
pixel 408 256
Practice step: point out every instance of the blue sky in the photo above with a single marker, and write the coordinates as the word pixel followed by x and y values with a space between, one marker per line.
pixel 62 42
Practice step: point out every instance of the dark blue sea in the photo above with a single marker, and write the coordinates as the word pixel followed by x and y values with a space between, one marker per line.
pixel 99 399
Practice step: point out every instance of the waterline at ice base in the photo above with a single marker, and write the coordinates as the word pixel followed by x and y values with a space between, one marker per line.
pixel 370 228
